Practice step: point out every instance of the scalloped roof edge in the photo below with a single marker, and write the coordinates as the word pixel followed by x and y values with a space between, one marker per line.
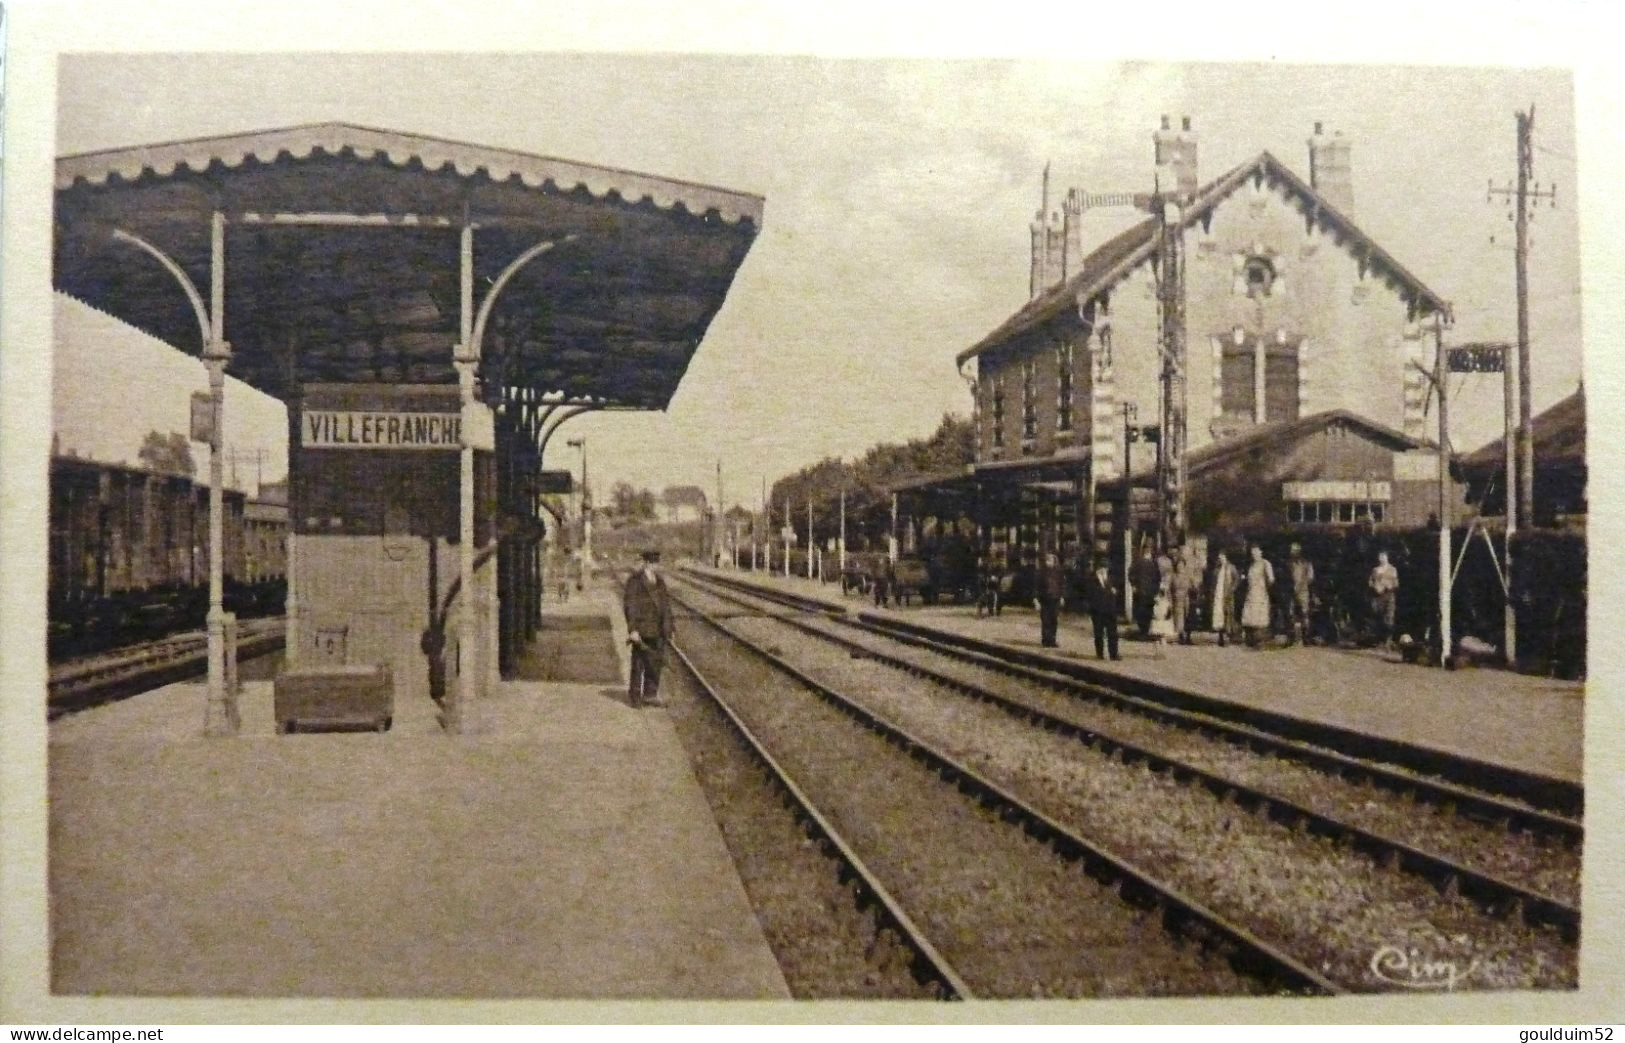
pixel 163 159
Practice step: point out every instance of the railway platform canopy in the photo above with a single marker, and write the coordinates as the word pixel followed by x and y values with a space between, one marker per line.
pixel 486 293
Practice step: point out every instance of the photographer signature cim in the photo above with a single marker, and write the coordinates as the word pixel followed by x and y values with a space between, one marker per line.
pixel 1409 969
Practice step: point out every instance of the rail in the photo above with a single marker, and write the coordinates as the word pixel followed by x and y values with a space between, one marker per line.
pixel 1182 915
pixel 1491 892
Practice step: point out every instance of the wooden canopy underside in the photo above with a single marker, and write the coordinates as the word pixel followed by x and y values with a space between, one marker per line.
pixel 365 287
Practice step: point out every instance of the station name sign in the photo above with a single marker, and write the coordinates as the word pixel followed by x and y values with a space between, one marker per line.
pixel 348 429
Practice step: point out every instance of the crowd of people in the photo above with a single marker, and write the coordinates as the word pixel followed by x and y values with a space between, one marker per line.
pixel 1239 598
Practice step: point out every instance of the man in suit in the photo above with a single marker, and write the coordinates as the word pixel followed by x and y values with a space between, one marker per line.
pixel 1049 594
pixel 648 629
pixel 1101 596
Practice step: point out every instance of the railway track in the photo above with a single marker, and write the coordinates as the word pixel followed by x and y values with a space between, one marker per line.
pixel 79 684
pixel 928 967
pixel 1499 896
pixel 1175 950
pixel 1543 806
pixel 1494 892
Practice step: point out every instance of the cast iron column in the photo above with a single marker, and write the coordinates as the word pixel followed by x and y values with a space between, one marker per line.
pixel 464 360
pixel 221 716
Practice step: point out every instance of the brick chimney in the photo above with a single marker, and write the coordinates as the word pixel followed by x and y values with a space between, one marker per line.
pixel 1176 157
pixel 1329 169
pixel 1048 244
pixel 1071 234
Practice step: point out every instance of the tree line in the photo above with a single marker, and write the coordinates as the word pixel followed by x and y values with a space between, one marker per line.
pixel 866 482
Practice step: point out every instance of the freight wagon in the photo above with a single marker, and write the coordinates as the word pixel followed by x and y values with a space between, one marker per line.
pixel 129 556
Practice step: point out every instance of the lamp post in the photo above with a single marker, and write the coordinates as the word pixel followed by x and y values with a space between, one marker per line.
pixel 1131 414
pixel 1437 377
pixel 841 563
pixel 586 502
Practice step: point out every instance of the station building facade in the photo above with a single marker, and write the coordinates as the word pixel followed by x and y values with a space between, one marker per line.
pixel 1306 343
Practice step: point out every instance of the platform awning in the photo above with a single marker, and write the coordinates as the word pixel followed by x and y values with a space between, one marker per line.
pixel 342 258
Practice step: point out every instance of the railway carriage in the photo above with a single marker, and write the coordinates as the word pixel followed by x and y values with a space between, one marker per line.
pixel 129 555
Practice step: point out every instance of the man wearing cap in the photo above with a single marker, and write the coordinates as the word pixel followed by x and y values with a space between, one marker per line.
pixel 648 628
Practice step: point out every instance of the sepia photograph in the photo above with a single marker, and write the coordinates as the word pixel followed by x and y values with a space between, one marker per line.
pixel 563 525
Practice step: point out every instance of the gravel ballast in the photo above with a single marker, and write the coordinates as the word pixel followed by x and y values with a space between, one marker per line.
pixel 1543 864
pixel 1333 908
pixel 1015 919
pixel 827 947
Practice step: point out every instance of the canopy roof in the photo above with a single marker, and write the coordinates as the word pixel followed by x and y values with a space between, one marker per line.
pixel 342 258
pixel 1559 436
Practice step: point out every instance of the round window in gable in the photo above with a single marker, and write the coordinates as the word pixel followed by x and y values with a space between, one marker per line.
pixel 1260 275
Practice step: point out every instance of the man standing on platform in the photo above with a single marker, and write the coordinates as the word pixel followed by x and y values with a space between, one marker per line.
pixel 1101 597
pixel 1049 593
pixel 1384 585
pixel 648 629
pixel 1302 573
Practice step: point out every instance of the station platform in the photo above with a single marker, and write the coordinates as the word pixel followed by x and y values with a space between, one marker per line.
pixel 562 850
pixel 1530 724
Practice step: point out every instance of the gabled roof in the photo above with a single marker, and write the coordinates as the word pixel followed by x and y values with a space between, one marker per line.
pixel 1559 435
pixel 1217 453
pixel 1122 254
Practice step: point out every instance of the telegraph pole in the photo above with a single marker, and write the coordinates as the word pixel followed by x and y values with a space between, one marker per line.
pixel 1440 370
pixel 1522 196
pixel 1171 449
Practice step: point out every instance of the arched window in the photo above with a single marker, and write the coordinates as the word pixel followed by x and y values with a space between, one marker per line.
pixel 1259 273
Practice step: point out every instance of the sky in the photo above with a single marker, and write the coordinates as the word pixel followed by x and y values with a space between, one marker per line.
pixel 898 195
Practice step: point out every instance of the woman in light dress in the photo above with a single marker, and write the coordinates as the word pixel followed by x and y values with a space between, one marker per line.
pixel 1255 611
pixel 1162 613
pixel 1221 609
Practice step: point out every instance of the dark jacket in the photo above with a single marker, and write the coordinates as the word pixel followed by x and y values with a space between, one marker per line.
pixel 1100 597
pixel 647 607
pixel 1146 576
pixel 1049 583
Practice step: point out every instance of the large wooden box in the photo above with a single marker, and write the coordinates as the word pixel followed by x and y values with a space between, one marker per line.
pixel 334 696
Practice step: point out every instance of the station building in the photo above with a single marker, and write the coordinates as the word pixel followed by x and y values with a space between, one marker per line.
pixel 1303 386
pixel 430 312
pixel 265 534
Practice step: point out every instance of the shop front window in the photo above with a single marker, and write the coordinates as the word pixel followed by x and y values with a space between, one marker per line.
pixel 1336 512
